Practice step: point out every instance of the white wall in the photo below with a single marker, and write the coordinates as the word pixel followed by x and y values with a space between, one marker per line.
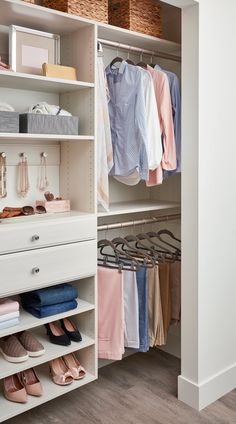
pixel 209 354
pixel 217 180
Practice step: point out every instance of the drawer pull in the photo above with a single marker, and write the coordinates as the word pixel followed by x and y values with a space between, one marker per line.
pixel 35 270
pixel 35 237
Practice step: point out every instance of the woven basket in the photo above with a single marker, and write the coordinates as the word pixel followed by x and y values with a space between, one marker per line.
pixel 136 15
pixel 95 9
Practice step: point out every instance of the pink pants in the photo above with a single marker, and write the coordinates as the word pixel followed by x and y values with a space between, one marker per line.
pixel 110 314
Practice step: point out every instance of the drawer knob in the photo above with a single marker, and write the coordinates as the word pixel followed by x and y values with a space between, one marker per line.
pixel 35 237
pixel 35 270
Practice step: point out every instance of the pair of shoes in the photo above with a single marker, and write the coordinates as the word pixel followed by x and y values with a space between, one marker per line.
pixel 17 348
pixel 66 369
pixel 62 335
pixel 17 387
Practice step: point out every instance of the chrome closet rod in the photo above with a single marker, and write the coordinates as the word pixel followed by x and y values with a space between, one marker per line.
pixel 139 222
pixel 121 46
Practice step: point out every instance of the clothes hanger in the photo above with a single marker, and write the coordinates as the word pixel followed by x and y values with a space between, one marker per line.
pixel 144 258
pixel 169 233
pixel 141 63
pixel 122 260
pixel 151 63
pixel 129 61
pixel 117 59
pixel 176 254
pixel 152 234
pixel 169 255
pixel 141 246
pixel 160 249
pixel 99 49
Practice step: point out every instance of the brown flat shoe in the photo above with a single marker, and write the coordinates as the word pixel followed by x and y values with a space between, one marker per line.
pixel 31 344
pixel 12 349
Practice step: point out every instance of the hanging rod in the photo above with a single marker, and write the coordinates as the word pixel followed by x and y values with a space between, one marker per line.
pixel 139 222
pixel 139 50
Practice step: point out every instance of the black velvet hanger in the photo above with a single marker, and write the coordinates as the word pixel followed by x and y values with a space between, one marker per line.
pixel 142 65
pixel 115 60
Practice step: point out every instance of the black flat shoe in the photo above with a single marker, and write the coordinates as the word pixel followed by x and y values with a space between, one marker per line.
pixel 71 330
pixel 56 334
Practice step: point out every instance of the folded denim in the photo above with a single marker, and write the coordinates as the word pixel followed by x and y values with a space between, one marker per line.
pixel 50 296
pixel 9 316
pixel 46 311
pixel 9 323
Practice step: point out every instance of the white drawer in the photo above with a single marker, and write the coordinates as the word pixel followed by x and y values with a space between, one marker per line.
pixel 40 231
pixel 26 271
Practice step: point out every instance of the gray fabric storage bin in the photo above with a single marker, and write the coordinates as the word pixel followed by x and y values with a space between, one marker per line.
pixel 36 123
pixel 9 122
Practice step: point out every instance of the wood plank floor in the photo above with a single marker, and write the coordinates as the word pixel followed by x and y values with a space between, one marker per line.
pixel 141 389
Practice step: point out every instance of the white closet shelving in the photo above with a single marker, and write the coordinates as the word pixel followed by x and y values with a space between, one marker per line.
pixel 65 250
pixel 67 245
pixel 124 208
pixel 45 137
pixel 38 83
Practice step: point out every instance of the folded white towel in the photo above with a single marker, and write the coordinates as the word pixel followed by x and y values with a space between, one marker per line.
pixel 45 109
pixel 9 323
pixel 11 315
pixel 5 107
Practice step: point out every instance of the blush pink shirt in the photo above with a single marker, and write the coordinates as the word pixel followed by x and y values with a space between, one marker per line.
pixel 164 106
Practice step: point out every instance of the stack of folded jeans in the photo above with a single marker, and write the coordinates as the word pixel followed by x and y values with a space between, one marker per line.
pixel 50 301
pixel 9 313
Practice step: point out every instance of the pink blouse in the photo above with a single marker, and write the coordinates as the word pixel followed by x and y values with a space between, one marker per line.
pixel 163 99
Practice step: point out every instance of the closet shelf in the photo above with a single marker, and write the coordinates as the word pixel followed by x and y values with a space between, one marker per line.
pixel 52 351
pixel 28 321
pixel 122 208
pixel 136 39
pixel 50 391
pixel 31 82
pixel 22 137
pixel 41 18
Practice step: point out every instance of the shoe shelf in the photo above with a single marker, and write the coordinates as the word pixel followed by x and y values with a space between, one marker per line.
pixel 28 321
pixel 50 391
pixel 52 351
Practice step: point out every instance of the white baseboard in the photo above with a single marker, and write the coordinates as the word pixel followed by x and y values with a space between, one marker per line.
pixel 199 396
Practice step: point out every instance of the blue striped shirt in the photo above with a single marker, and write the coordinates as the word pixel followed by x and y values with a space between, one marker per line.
pixel 127 120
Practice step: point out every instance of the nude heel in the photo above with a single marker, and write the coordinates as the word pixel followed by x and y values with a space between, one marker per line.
pixel 74 366
pixel 60 373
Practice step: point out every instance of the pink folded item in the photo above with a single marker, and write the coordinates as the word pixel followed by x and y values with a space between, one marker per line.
pixel 8 305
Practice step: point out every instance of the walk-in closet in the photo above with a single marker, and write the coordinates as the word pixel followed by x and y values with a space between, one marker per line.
pixel 50 263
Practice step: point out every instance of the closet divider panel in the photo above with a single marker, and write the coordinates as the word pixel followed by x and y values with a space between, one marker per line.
pixel 77 50
pixel 81 103
pixel 77 176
